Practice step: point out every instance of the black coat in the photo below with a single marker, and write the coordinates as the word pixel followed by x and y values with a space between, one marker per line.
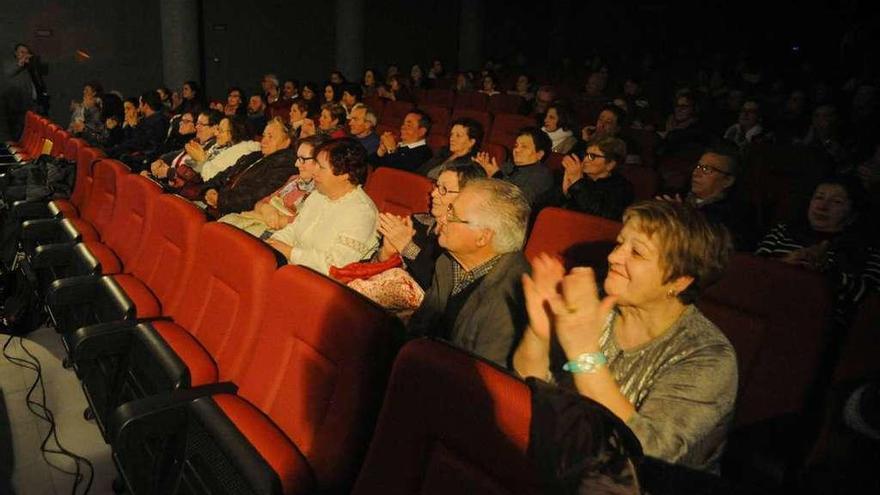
pixel 252 178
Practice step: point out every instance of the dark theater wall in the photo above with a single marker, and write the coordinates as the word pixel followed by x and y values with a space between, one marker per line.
pixel 121 38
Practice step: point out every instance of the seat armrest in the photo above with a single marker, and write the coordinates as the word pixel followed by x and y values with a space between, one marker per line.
pixel 52 255
pixel 93 341
pixel 41 230
pixel 143 409
pixel 72 290
pixel 29 210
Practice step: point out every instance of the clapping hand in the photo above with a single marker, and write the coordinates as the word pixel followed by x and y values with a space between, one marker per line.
pixel 397 232
pixel 488 163
pixel 574 171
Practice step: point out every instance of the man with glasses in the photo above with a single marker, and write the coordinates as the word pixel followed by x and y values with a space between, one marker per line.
pixel 475 300
pixel 712 182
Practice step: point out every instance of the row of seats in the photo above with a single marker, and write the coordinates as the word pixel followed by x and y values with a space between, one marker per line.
pixel 235 376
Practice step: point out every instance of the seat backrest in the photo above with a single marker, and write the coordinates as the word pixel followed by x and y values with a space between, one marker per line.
pixel 578 238
pixel 59 142
pixel 795 307
pixel 506 126
pixel 71 149
pixel 376 104
pixel 437 142
pixel 319 369
pixel 85 162
pixel 398 191
pixel 498 152
pixel 858 355
pixel 450 423
pixel 481 116
pixel 394 112
pixel 644 180
pixel 168 248
pixel 222 297
pixel 440 97
pixel 439 119
pixel 471 100
pixel 127 227
pixel 98 210
pixel 505 103
pixel 554 163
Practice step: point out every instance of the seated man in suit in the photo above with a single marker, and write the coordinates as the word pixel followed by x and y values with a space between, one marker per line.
pixel 475 300
pixel 412 150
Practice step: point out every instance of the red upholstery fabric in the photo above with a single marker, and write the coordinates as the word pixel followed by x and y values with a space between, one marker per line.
pixel 84 167
pixel 398 191
pixel 858 356
pixel 59 142
pixel 318 370
pixel 496 151
pixel 504 103
pixel 554 163
pixel 86 230
pixel 394 112
pixel 578 238
pixel 439 119
pixel 471 100
pixel 795 305
pixel 438 141
pixel 481 116
pixel 273 446
pixel 124 233
pixel 644 180
pixel 65 207
pixel 145 303
pixel 110 263
pixel 222 297
pixel 506 127
pixel 201 366
pixel 71 148
pixel 376 104
pixel 168 248
pixel 99 208
pixel 439 97
pixel 450 423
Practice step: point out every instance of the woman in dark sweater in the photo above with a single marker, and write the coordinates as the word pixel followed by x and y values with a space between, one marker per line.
pixel 415 239
pixel 591 185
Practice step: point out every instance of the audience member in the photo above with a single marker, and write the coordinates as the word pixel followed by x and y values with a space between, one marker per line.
pixel 256 114
pixel 233 105
pixel 336 224
pixel 277 210
pixel 233 142
pixel 475 300
pixel 145 136
pixel 415 238
pixel 310 96
pixel 369 83
pixel 290 90
pixel 559 125
pixel 361 123
pixel 592 184
pixel 465 138
pixel 412 150
pixel 748 128
pixel 351 96
pixel 299 113
pixel 178 171
pixel 331 121
pixel 87 121
pixel 254 175
pixel 527 170
pixel 489 86
pixel 643 350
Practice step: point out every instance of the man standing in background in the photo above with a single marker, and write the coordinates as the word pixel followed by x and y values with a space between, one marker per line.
pixel 23 88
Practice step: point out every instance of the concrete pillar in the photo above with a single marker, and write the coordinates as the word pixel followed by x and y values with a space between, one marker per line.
pixel 350 38
pixel 471 24
pixel 180 41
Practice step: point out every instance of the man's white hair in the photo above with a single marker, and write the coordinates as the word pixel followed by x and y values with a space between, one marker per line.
pixel 503 209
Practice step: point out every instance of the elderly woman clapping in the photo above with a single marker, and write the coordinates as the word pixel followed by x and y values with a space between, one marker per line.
pixel 642 350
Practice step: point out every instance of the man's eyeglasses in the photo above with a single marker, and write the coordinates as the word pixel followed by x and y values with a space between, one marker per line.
pixel 709 169
pixel 592 156
pixel 303 159
pixel 202 124
pixel 443 190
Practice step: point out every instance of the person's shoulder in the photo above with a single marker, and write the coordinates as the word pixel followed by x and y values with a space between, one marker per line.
pixel 699 333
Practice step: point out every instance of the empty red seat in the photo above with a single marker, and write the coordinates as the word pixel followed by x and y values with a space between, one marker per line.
pixel 506 126
pixel 644 180
pixel 439 119
pixel 437 142
pixel 439 97
pixel 471 100
pixel 795 307
pixel 376 104
pixel 466 432
pixel 394 112
pixel 86 159
pixel 305 405
pixel 505 103
pixel 577 238
pixel 398 191
pixel 98 210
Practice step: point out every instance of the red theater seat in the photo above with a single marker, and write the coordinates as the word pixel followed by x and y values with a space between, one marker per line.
pixel 506 126
pixel 305 405
pixel 577 238
pixel 471 100
pixel 450 423
pixel 398 191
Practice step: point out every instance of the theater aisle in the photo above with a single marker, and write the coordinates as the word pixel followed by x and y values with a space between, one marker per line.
pixel 31 475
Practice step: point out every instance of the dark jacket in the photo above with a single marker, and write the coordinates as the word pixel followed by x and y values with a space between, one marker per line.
pixel 409 159
pixel 492 319
pixel 605 198
pixel 535 181
pixel 252 178
pixel 144 139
